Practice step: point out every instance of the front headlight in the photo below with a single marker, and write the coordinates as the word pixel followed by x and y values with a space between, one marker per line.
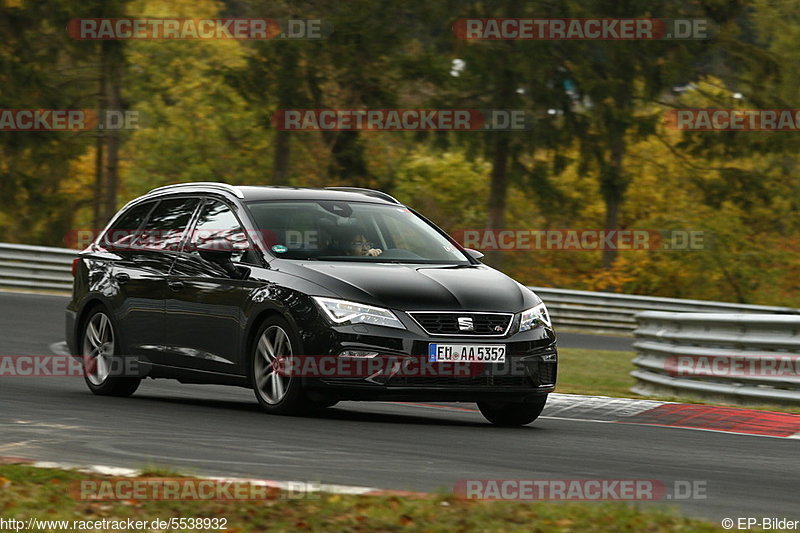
pixel 534 317
pixel 344 312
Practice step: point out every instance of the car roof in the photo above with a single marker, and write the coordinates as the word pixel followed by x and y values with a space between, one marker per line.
pixel 249 193
pixel 254 193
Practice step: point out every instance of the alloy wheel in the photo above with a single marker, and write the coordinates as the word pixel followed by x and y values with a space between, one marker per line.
pixel 272 351
pixel 98 349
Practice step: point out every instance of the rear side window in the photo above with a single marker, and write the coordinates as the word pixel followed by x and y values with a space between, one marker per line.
pixel 167 223
pixel 124 230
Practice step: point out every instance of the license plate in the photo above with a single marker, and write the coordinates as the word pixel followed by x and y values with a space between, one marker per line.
pixel 467 353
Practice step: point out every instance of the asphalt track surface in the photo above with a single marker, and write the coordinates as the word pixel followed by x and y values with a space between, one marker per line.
pixel 214 430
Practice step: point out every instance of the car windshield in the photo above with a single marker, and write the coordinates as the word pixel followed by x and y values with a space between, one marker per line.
pixel 351 231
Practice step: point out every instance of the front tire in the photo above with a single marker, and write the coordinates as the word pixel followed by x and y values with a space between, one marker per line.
pixel 275 342
pixel 512 414
pixel 99 350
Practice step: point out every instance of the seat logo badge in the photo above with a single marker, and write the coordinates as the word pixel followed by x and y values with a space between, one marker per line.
pixel 465 324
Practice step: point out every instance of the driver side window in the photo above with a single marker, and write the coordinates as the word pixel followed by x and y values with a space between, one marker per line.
pixel 219 225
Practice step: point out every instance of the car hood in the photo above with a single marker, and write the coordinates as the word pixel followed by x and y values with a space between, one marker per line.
pixel 421 287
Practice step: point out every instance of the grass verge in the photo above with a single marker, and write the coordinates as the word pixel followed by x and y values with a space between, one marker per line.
pixel 27 492
pixel 607 373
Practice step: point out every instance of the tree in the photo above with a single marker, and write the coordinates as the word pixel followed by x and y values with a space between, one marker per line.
pixel 40 68
pixel 615 78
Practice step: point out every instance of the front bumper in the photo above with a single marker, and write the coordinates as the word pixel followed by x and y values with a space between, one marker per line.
pixel 530 369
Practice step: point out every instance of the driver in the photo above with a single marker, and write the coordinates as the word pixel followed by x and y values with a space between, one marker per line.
pixel 359 245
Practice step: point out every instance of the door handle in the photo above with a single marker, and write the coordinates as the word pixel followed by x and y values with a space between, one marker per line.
pixel 175 285
pixel 122 277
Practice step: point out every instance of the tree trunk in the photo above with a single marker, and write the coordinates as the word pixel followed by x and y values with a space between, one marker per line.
pixel 113 137
pixel 100 143
pixel 612 223
pixel 282 160
pixel 499 182
pixel 613 193
pixel 498 189
pixel 288 91
pixel 505 95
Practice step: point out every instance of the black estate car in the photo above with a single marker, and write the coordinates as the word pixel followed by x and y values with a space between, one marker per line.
pixel 307 296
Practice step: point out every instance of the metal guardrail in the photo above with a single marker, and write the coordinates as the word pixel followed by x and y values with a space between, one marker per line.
pixel 36 267
pixel 744 358
pixel 607 312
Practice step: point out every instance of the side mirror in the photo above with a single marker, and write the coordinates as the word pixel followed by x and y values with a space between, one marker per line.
pixel 220 252
pixel 475 254
pixel 215 250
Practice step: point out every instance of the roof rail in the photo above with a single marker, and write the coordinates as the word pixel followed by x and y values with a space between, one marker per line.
pixel 201 184
pixel 369 192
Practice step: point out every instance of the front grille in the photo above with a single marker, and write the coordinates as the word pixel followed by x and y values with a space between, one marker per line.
pixel 476 381
pixel 486 324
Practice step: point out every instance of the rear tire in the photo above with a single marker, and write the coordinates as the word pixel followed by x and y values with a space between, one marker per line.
pixel 512 414
pixel 276 394
pixel 101 364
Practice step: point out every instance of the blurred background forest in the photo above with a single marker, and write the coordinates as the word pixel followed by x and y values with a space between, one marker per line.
pixel 599 155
